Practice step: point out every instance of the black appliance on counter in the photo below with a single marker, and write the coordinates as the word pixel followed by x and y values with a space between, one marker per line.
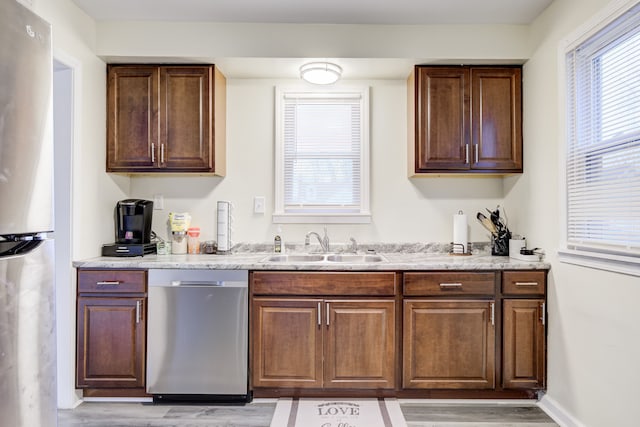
pixel 132 218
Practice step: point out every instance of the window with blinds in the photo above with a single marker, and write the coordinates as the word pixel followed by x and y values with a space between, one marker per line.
pixel 603 142
pixel 322 156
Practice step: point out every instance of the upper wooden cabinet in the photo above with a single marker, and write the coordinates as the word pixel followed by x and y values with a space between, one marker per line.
pixel 465 120
pixel 166 119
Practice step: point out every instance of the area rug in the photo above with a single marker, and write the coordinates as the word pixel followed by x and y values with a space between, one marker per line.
pixel 338 413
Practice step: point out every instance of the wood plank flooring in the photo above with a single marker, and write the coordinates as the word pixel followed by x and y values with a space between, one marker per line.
pixel 259 413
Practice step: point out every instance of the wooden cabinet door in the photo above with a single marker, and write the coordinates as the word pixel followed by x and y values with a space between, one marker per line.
pixel 496 119
pixel 442 119
pixel 185 119
pixel 132 109
pixel 448 344
pixel 360 343
pixel 110 343
pixel 287 343
pixel 523 343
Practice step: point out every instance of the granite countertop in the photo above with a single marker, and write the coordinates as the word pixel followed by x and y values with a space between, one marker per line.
pixel 396 258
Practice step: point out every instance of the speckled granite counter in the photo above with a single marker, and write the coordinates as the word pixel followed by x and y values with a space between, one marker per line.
pixel 394 261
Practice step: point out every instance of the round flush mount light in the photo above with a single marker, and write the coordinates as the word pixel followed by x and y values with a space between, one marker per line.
pixel 320 73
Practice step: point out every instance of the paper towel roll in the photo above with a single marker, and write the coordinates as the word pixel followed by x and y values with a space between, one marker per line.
pixel 224 226
pixel 460 236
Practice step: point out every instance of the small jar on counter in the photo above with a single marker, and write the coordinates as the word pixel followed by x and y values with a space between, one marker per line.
pixel 193 242
pixel 209 247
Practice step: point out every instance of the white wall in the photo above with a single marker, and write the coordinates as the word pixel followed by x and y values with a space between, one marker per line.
pixel 594 321
pixel 404 210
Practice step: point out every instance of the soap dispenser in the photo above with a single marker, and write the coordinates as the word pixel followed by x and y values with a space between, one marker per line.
pixel 278 243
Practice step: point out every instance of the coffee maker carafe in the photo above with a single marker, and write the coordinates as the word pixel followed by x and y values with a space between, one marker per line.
pixel 132 220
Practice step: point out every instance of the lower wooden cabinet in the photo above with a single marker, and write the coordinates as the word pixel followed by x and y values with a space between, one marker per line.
pixel 111 330
pixel 359 344
pixel 524 348
pixel 111 342
pixel 287 343
pixel 324 330
pixel 448 344
pixel 323 343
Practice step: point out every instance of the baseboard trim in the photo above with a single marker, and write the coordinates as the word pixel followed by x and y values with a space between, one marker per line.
pixel 558 413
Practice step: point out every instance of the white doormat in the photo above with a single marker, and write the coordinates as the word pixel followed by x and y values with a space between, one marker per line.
pixel 338 413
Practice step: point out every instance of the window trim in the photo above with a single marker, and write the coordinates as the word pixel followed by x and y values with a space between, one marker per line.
pixel 567 253
pixel 364 214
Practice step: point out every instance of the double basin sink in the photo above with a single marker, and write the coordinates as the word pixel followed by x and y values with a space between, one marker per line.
pixel 330 258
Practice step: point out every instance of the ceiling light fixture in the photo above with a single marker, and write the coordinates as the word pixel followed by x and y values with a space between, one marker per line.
pixel 320 73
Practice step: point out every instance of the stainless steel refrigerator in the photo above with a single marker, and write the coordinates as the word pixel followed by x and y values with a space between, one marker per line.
pixel 27 291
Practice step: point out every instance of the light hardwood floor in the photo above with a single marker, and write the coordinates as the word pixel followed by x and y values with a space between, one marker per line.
pixel 259 413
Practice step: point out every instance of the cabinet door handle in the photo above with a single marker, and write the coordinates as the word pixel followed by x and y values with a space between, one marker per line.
pixel 319 314
pixel 153 152
pixel 543 316
pixel 108 283
pixel 476 150
pixel 327 314
pixel 466 153
pixel 162 153
pixel 450 285
pixel 526 283
pixel 493 314
pixel 138 304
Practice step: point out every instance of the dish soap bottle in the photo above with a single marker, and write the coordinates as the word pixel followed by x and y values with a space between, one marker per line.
pixel 278 244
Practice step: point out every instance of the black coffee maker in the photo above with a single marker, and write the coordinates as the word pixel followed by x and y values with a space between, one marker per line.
pixel 132 218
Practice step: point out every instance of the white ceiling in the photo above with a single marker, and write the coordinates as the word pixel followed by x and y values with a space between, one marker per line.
pixel 325 11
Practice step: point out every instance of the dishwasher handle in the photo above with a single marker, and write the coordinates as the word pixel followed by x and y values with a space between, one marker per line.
pixel 202 284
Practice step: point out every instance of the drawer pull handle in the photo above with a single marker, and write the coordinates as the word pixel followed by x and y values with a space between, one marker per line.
pixel 526 283
pixel 450 285
pixel 108 283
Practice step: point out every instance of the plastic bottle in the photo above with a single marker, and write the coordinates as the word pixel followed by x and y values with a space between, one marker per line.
pixel 193 242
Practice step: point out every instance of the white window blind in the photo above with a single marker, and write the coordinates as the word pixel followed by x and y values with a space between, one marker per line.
pixel 603 150
pixel 323 154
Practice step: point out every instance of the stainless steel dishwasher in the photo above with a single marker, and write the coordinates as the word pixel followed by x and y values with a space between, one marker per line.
pixel 197 335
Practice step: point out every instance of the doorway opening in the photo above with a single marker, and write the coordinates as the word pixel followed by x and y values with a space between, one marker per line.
pixel 63 136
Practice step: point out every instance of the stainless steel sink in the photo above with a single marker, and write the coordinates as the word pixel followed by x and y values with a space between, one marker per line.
pixel 354 258
pixel 294 258
pixel 334 258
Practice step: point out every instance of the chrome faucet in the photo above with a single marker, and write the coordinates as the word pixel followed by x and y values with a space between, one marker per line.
pixel 324 241
pixel 354 245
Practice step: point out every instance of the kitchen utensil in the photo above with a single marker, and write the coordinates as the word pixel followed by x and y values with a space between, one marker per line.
pixel 486 223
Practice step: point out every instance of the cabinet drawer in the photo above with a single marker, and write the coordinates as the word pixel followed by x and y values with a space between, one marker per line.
pixel 112 281
pixel 324 283
pixel 524 282
pixel 449 283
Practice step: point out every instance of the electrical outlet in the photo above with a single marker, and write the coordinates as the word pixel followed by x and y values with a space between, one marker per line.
pixel 158 202
pixel 258 204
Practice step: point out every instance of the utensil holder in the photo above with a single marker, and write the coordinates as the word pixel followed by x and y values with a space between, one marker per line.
pixel 500 245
